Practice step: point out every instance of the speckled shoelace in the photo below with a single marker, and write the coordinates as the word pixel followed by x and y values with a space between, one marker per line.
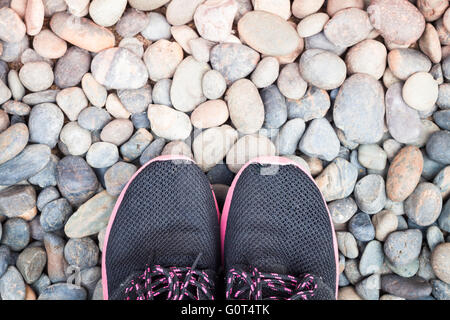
pixel 173 283
pixel 255 285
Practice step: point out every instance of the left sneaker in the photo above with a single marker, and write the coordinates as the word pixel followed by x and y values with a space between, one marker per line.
pixel 162 240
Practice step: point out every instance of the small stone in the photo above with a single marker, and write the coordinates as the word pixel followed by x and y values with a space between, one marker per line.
pixel 70 69
pixel 81 252
pixel 424 205
pixel 106 13
pixel 18 201
pixel 49 45
pixel 405 62
pixel 156 28
pixel 434 237
pixel 47 176
pixel 369 288
pixel 403 247
pixel 56 264
pixel 76 139
pixel 169 123
pixel 440 262
pixel 311 69
pixel 46 196
pixel 134 147
pixel 72 101
pixel 320 140
pixel 93 90
pixel 347 244
pixel 408 288
pixel 186 90
pixel 201 49
pixel 81 32
pixel 245 106
pixel 31 263
pixel 348 293
pixel 303 8
pixel 212 113
pixel 12 286
pixel 102 155
pixel 438 145
pixel 432 10
pixel 214 19
pixel 430 45
pixel 26 164
pixel 34 16
pixel 93 118
pixel 117 131
pixel 372 156
pixel 55 214
pixel 233 60
pixel 274 107
pixel 369 57
pixel 385 222
pixel 314 104
pixel 12 141
pixel 162 59
pixel 152 151
pixel 425 270
pixel 16 108
pixel 119 68
pixel 161 92
pixel 420 91
pixel 442 119
pixel 444 218
pixel 131 23
pixel 289 136
pixel 91 217
pixel 76 180
pixel 320 41
pixel 266 72
pixel 213 85
pixel 372 258
pixel 444 96
pixel 36 76
pixel 334 6
pixel 117 177
pixel 312 24
pixel 13 29
pixel 180 12
pixel 183 36
pixel 342 210
pixel 48 96
pixel 291 83
pixel 267 33
pixel 348 27
pixel 361 227
pixel 63 291
pixel 246 148
pixel 45 123
pixel 442 181
pixel 16 234
pixel 337 180
pixel 370 194
pixel 16 87
pixel 440 290
pixel 4 121
pixel 361 120
pixel 134 45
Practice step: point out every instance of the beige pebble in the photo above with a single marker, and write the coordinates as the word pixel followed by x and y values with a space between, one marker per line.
pixel 214 19
pixel 34 17
pixel 384 222
pixel 181 12
pixel 212 113
pixel 334 6
pixel 94 91
pixel 182 35
pixel 420 91
pixel 162 59
pixel 368 56
pixel 49 45
pixel 19 6
pixel 177 148
pixel 281 8
pixel 312 24
pixel 115 107
pixel 430 45
pixel 117 131
pixel 389 78
pixel 303 8
pixel 266 72
pixel 79 8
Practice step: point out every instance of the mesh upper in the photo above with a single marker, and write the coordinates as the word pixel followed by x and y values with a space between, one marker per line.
pixel 167 217
pixel 279 223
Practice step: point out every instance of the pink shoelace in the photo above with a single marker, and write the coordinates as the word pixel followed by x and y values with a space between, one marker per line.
pixel 172 283
pixel 255 285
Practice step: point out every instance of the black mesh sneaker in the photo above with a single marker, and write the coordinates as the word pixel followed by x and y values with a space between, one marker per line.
pixel 278 240
pixel 162 240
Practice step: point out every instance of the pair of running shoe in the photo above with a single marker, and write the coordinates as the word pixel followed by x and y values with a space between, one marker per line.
pixel 167 240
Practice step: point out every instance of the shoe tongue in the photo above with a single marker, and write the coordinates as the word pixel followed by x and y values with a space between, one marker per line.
pixel 270 265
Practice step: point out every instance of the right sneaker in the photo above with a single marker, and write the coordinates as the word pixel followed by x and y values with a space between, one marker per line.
pixel 162 240
pixel 278 239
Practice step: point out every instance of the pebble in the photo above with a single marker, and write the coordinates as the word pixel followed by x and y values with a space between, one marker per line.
pixel 211 113
pixel 372 156
pixel 245 106
pixel 183 35
pixel 40 97
pixel 268 33
pixel 72 101
pixel 70 69
pixel 117 131
pixel 403 247
pixel 347 244
pixel 291 83
pixel 369 57
pixel 430 45
pixel 444 218
pixel 405 62
pixel 201 49
pixel 233 60
pixel 18 201
pixel 102 155
pixel 134 45
pixel 442 181
pixel 5 256
pixel 119 68
pixel 63 291
pixel 16 87
pixel 31 263
pixel 46 196
pixel 420 91
pixel 180 12
pixel 425 270
pixel 303 8
pixel 424 205
pixel 186 90
pixel 93 118
pixel 432 10
pixel 342 210
pixel 152 151
pixel 117 177
pixel 55 214
pixel 337 180
pixel 56 264
pixel 334 6
pixel 16 108
pixel 147 5
pixel 361 119
pixel 131 23
pixel 26 164
pixel 313 105
pixel 36 76
pixel 434 237
pixel 93 215
pixel 47 176
pixel 78 8
pixel 115 107
pixel 45 123
pixel 282 8
pixel 12 286
pixel 370 194
pixel 213 85
pixel 289 136
pixel 157 27
pixel 82 32
pixel 211 146
pixel 12 141
pixel 312 24
pixel 76 180
pixel 214 19
pixel 266 72
pixel 320 140
pixel 348 27
pixel 274 107
pixel 361 227
pixel 106 13
pixel 348 293
pixel 312 71
pixel 246 148
pixel 48 45
pixel 369 288
pixel 162 59
pixel 385 222
pixel 440 261
pixel 397 21
pixel 134 147
pixel 4 121
pixel 161 92
pixel 94 91
pixel 13 29
pixel 437 147
pixel 169 123
pixel 408 288
pixel 443 101
pixel 372 258
pixel 81 252
pixel 442 119
pixel 16 234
